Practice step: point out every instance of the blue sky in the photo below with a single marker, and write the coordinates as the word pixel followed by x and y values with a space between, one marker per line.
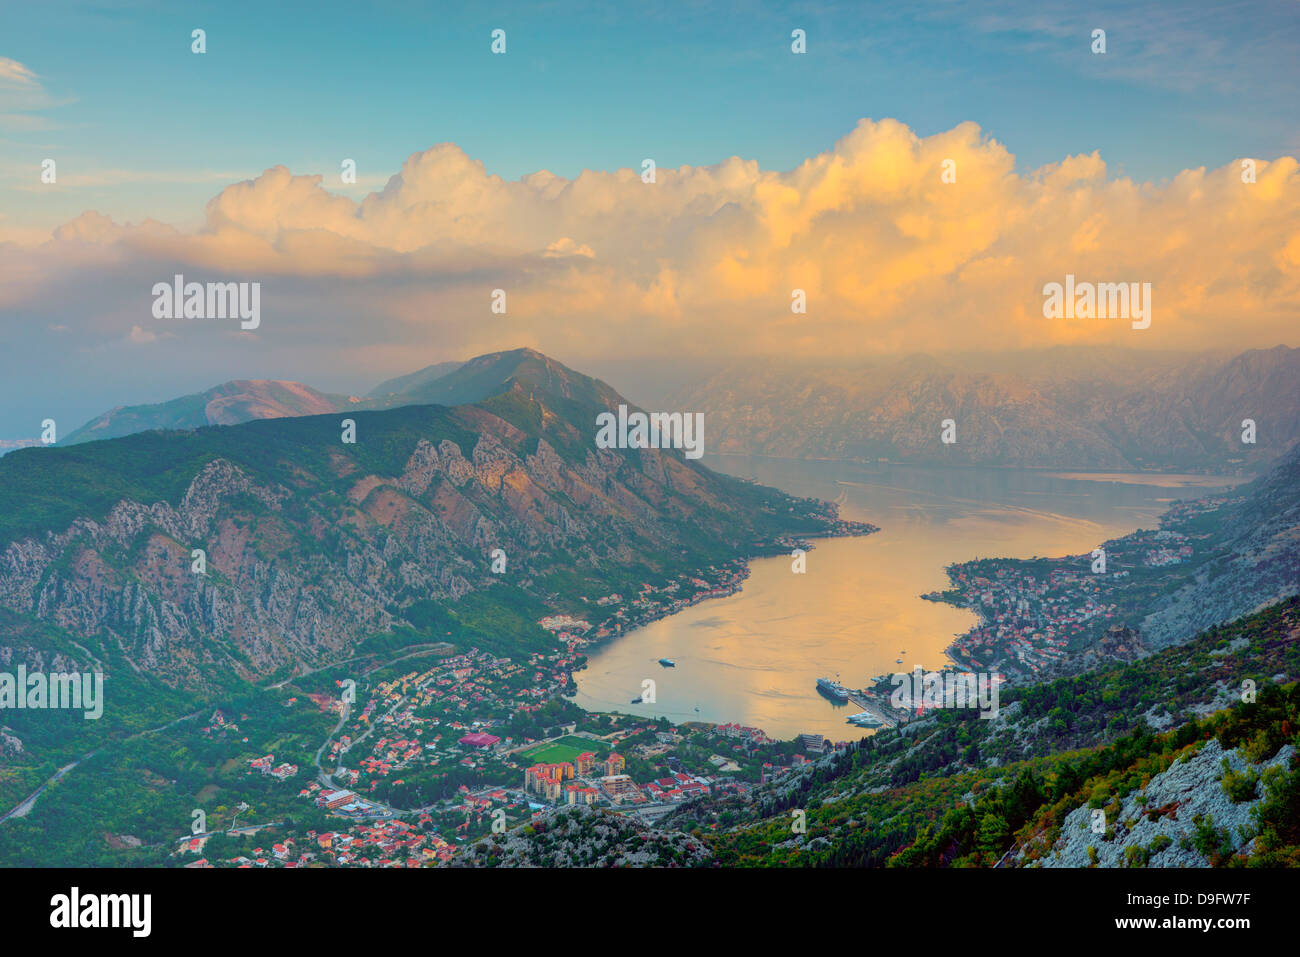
pixel 140 126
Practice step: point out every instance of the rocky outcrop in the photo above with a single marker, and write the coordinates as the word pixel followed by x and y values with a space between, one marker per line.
pixel 300 566
pixel 1158 825
pixel 580 836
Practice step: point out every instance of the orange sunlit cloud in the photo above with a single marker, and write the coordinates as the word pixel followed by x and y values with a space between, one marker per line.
pixel 705 259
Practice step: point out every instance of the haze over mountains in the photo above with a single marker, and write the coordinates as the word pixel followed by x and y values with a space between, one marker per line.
pixel 314 544
pixel 244 400
pixel 1075 407
pixel 230 403
pixel 413 380
pixel 1063 408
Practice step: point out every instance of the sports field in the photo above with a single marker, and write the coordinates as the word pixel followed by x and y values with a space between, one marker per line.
pixel 563 750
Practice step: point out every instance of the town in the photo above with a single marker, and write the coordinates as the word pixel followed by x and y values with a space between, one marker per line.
pixel 430 758
pixel 1035 614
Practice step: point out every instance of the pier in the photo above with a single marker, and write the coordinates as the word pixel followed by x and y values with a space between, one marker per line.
pixel 868 704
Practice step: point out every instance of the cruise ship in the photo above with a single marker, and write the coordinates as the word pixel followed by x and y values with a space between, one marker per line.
pixel 865 719
pixel 832 689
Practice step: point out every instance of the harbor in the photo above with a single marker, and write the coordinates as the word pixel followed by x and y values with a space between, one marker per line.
pixel 873 707
pixel 754 657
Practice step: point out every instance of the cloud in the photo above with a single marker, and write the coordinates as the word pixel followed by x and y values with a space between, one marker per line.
pixel 704 260
pixel 22 93
pixel 23 123
pixel 564 246
pixel 13 73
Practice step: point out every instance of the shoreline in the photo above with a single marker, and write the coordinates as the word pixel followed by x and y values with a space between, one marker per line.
pixel 842 528
pixel 1065 471
pixel 958 595
pixel 732 586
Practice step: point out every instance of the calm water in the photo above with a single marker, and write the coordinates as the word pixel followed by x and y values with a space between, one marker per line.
pixel 754 657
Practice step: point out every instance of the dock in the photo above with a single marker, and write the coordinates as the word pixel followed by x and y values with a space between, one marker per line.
pixel 867 704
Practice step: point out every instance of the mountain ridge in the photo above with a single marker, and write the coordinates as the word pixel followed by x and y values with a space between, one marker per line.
pixel 313 544
pixel 1069 411
pixel 230 403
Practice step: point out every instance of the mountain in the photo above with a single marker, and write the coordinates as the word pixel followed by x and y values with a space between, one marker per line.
pixel 243 400
pixel 1069 408
pixel 498 372
pixel 1078 409
pixel 1252 559
pixel 240 400
pixel 314 545
pixel 413 380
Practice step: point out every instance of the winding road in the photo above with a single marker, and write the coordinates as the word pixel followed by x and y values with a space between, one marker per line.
pixel 26 804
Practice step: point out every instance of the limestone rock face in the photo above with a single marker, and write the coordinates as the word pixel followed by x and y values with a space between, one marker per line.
pixel 1175 797
pixel 310 548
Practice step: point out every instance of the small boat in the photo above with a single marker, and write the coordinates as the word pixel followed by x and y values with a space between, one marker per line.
pixel 636 700
pixel 668 662
pixel 898 661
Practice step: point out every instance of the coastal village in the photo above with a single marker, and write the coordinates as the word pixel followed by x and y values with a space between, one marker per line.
pixel 429 760
pixel 1036 616
pixel 425 761
pixel 1036 613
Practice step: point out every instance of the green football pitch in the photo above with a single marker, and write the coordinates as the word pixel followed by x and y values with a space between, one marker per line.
pixel 561 751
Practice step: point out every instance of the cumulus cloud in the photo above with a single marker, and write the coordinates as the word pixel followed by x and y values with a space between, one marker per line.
pixel 704 260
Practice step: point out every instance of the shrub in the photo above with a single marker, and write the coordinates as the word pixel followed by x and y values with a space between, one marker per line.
pixel 1238 786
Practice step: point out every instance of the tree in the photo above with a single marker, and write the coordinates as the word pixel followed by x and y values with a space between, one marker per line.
pixel 994 834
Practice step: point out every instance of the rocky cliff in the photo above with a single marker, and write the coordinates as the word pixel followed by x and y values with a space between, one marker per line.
pixel 313 544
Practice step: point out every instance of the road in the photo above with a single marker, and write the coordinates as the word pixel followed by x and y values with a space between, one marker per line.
pixel 246 829
pixel 424 649
pixel 24 807
pixel 325 779
pixel 26 804
pixel 328 780
pixel 29 802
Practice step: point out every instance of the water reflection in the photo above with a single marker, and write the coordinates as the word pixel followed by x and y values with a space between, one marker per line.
pixel 754 657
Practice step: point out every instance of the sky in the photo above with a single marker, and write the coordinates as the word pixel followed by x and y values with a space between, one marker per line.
pixel 775 171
